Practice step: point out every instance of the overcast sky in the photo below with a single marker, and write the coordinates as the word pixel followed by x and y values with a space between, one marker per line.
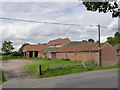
pixel 26 32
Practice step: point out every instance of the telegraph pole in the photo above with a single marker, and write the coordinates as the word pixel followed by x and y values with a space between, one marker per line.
pixel 99 45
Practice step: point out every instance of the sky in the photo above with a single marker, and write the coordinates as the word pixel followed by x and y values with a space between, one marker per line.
pixel 20 32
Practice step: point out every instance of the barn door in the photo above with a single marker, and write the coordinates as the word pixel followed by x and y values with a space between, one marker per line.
pixel 53 56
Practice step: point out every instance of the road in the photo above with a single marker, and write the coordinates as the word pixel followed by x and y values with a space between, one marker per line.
pixel 93 79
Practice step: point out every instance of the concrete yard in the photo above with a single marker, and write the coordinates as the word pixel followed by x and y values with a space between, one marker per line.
pixel 14 69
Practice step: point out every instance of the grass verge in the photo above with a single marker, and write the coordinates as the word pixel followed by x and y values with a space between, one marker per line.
pixel 2 77
pixel 61 67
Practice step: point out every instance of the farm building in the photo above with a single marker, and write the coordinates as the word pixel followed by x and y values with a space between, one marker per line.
pixel 117 47
pixel 58 42
pixel 53 44
pixel 75 51
pixel 44 51
pixel 86 52
pixel 34 51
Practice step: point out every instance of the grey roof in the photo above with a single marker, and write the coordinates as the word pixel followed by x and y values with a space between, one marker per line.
pixel 77 43
pixel 48 50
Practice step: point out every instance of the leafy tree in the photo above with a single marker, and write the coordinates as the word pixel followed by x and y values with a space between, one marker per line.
pixel 84 41
pixel 21 49
pixel 44 44
pixel 114 40
pixel 15 53
pixel 91 40
pixel 103 7
pixel 117 34
pixel 7 47
pixel 97 41
pixel 39 43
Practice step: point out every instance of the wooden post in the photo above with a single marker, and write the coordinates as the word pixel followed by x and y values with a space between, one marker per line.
pixel 99 45
pixel 83 64
pixel 40 71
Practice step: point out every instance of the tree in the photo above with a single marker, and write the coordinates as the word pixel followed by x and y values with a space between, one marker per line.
pixel 15 53
pixel 21 49
pixel 7 47
pixel 117 34
pixel 44 43
pixel 84 41
pixel 39 43
pixel 114 40
pixel 90 40
pixel 103 7
pixel 97 41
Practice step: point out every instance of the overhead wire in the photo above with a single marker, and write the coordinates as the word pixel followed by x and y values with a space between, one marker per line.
pixel 24 20
pixel 42 22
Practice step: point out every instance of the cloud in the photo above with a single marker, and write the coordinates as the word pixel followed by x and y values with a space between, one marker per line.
pixel 75 13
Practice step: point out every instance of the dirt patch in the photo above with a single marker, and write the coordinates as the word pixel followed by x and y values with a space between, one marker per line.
pixel 14 69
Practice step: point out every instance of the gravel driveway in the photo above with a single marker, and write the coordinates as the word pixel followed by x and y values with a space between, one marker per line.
pixel 14 69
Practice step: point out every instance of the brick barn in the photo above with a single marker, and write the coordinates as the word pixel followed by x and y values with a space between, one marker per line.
pixel 117 47
pixel 34 51
pixel 75 51
pixel 44 51
pixel 58 42
pixel 53 44
pixel 86 52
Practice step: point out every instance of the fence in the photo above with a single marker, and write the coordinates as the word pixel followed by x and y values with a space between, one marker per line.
pixel 45 68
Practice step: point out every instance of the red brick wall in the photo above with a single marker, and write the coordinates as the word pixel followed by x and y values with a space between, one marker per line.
pixel 109 55
pixel 27 54
pixel 48 55
pixel 118 59
pixel 40 55
pixel 79 56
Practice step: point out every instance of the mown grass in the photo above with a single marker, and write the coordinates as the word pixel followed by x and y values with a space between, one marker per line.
pixel 2 78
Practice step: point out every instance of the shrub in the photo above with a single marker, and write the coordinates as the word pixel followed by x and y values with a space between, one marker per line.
pixel 91 62
pixel 15 53
pixel 66 59
pixel 49 59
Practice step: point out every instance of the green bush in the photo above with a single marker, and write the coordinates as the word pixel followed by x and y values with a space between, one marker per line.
pixel 49 59
pixel 91 62
pixel 16 54
pixel 66 59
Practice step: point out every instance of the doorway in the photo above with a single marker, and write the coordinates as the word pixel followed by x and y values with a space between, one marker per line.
pixel 30 53
pixel 36 53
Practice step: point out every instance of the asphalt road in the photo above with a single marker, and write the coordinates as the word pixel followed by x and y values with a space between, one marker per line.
pixel 93 79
